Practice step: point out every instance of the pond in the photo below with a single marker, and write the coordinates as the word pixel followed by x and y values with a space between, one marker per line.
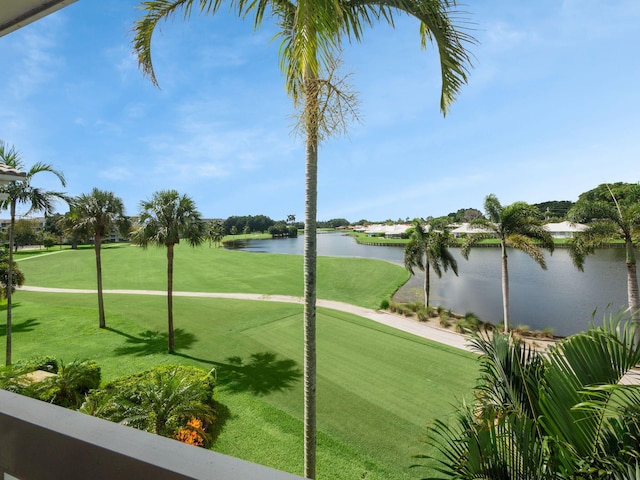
pixel 560 297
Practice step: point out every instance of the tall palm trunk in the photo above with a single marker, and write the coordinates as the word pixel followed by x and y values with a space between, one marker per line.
pixel 10 280
pixel 505 288
pixel 632 287
pixel 310 253
pixel 97 247
pixel 427 282
pixel 170 295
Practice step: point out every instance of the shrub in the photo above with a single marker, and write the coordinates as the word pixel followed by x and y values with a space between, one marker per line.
pixel 548 332
pixel 69 387
pixel 469 323
pixel 163 400
pixel 445 320
pixel 384 304
pixel 522 330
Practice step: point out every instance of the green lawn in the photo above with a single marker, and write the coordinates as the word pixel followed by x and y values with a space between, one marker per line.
pixel 377 387
pixel 363 282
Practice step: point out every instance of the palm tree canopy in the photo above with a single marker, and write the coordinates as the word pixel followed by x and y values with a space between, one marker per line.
pixel 22 192
pixel 428 246
pixel 167 218
pixel 612 212
pixel 518 225
pixel 99 212
pixel 558 414
pixel 311 33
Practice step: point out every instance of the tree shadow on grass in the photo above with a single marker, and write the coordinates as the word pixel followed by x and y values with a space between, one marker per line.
pixel 151 341
pixel 262 374
pixel 19 327
pixel 14 305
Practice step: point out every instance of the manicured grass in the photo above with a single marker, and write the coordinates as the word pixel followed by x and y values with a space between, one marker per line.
pixel 377 387
pixel 363 282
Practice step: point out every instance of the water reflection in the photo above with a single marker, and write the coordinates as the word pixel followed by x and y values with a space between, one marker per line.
pixel 561 297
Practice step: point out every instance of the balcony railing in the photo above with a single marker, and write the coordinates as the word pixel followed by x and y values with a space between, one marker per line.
pixel 43 441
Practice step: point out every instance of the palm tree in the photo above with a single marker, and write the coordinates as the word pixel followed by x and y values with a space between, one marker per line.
pixel 311 34
pixel 22 192
pixel 214 232
pixel 164 220
pixel 615 217
pixel 563 413
pixel 97 214
pixel 515 226
pixel 427 249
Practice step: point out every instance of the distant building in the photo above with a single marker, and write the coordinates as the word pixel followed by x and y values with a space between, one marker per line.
pixel 467 229
pixel 389 231
pixel 564 229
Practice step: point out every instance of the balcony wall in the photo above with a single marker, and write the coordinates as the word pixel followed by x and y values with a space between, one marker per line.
pixel 43 441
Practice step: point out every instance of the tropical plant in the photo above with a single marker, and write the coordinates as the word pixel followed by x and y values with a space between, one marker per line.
pixel 518 226
pixel 17 277
pixel 164 401
pixel 97 214
pixel 22 192
pixel 559 414
pixel 69 386
pixel 311 35
pixel 428 249
pixel 214 232
pixel 67 226
pixel 164 220
pixel 613 213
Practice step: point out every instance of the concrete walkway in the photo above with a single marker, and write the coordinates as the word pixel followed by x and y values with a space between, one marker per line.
pixel 395 321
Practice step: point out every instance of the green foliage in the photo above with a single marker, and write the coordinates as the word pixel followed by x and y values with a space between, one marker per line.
pixel 162 400
pixel 70 385
pixel 554 209
pixel 24 232
pixel 67 387
pixel 48 241
pixel 16 274
pixel 333 223
pixel 256 223
pixel 279 229
pixel 292 231
pixel 384 304
pixel 625 193
pixel 562 414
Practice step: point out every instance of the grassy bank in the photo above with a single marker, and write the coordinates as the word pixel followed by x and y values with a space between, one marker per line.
pixel 377 387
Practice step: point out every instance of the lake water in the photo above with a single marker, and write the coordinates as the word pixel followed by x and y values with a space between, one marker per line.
pixel 560 297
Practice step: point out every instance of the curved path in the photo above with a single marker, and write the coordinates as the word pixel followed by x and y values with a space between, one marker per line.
pixel 395 321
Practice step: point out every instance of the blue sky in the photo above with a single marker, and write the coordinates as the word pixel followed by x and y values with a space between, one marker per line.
pixel 552 109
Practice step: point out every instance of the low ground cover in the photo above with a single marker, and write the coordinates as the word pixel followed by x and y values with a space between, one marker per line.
pixel 377 387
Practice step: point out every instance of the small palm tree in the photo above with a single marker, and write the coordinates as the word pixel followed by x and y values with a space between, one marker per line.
pixel 428 249
pixel 97 214
pixel 516 226
pixel 164 220
pixel 22 192
pixel 165 402
pixel 214 233
pixel 613 218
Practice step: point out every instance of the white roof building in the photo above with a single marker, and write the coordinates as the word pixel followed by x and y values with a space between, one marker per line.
pixel 564 229
pixel 387 230
pixel 468 229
